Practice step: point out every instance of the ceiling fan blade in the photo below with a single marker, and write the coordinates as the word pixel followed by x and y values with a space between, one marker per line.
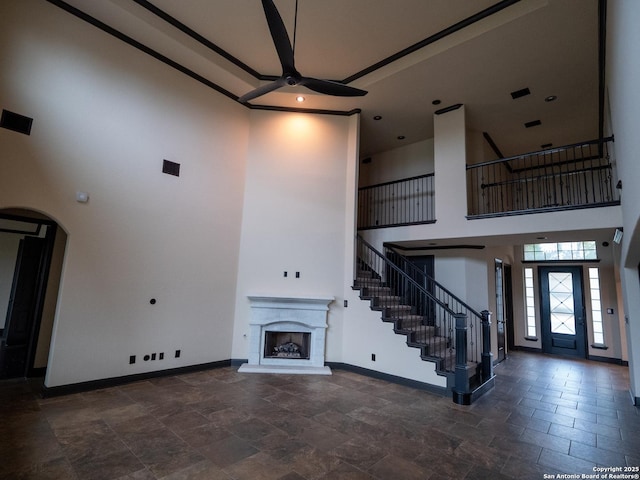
pixel 264 89
pixel 331 88
pixel 280 36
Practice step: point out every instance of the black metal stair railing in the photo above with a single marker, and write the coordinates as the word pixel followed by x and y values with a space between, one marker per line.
pixel 445 297
pixel 427 321
pixel 581 175
pixel 409 201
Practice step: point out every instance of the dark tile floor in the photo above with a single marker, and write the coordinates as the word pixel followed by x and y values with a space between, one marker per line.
pixel 545 416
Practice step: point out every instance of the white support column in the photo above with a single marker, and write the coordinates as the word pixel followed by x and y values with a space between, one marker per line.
pixel 450 160
pixel 631 291
pixel 623 75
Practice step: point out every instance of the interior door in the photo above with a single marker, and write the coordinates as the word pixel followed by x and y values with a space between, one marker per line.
pixel 562 311
pixel 14 347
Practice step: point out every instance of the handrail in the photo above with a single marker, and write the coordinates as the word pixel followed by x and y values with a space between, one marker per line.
pixel 384 184
pixel 408 201
pixel 405 276
pixel 547 175
pixel 429 321
pixel 414 268
pixel 548 151
pixel 582 175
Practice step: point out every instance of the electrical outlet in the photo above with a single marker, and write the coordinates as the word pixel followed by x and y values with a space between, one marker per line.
pixel 146 358
pixel 373 357
pixel 132 359
pixel 153 356
pixel 161 356
pixel 297 274
pixel 177 353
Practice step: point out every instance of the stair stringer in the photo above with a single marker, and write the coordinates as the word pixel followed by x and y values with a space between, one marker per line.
pixel 400 319
pixel 392 355
pixel 378 297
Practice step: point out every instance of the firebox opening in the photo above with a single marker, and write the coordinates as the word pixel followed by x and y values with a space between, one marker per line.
pixel 287 345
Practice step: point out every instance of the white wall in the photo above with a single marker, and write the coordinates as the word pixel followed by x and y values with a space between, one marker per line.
pixel 623 77
pixel 50 300
pixel 365 333
pixel 294 214
pixel 8 252
pixel 105 116
pixel 402 162
pixel 450 157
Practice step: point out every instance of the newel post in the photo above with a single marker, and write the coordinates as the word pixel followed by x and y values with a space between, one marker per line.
pixel 487 356
pixel 462 374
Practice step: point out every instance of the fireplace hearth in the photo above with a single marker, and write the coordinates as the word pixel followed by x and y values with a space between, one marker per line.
pixel 287 335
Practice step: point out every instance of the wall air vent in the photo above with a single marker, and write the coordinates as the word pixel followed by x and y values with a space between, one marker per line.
pixel 520 93
pixel 534 123
pixel 16 122
pixel 171 168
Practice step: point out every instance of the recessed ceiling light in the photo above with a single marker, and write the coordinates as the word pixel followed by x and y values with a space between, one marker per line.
pixel 550 98
pixel 401 137
pixel 533 123
pixel 378 117
pixel 541 238
pixel 300 98
pixel 436 102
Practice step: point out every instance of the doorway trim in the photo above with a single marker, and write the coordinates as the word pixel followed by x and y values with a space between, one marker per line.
pixel 581 348
pixel 41 281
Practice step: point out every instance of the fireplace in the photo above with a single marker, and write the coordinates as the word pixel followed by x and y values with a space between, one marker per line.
pixel 287 335
pixel 286 344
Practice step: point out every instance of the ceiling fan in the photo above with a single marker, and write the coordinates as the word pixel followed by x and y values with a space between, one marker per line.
pixel 290 76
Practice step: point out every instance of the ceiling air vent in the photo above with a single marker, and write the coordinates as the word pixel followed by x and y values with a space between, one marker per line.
pixel 16 122
pixel 520 93
pixel 534 123
pixel 448 109
pixel 171 168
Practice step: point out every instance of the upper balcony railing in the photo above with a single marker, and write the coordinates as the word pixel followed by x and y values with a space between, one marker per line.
pixel 575 176
pixel 403 202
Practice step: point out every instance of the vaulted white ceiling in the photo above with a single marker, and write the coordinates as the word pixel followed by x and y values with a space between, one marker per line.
pixel 548 46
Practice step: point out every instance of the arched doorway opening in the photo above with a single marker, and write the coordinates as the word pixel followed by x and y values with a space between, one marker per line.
pixel 32 249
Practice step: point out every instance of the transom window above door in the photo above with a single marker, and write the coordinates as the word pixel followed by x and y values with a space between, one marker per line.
pixel 560 251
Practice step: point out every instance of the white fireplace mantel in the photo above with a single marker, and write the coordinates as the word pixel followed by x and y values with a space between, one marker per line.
pixel 304 314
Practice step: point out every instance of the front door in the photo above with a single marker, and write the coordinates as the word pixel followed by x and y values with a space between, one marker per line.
pixel 562 310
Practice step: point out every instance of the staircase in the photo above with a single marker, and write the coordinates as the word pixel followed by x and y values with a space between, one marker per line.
pixel 434 341
pixel 419 308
